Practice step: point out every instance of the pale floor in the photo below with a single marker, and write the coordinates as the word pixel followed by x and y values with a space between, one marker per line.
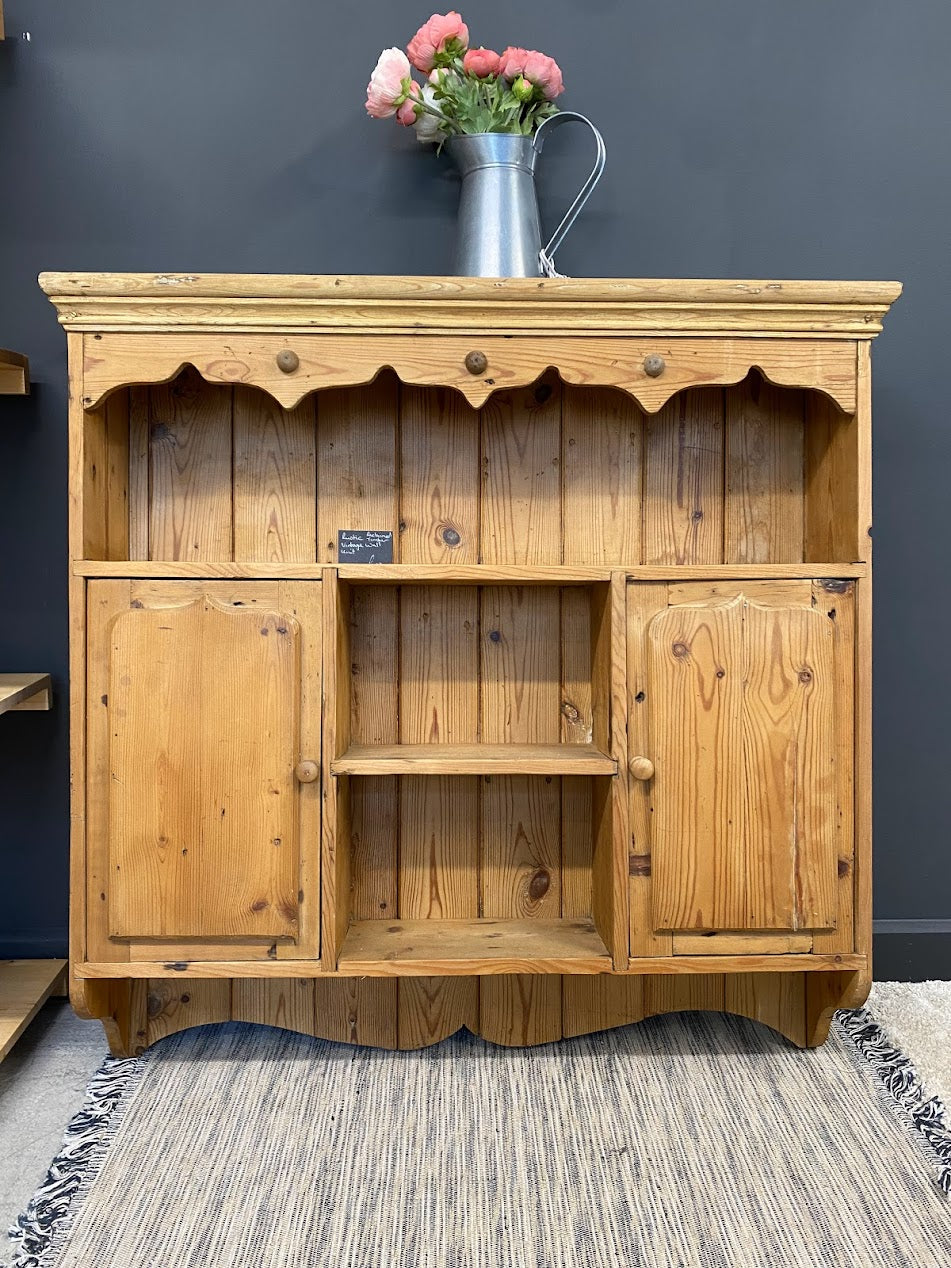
pixel 42 1082
pixel 43 1079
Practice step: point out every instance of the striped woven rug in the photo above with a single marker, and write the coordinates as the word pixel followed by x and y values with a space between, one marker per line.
pixel 690 1140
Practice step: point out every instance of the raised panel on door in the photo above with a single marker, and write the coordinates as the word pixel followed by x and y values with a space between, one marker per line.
pixel 211 701
pixel 747 723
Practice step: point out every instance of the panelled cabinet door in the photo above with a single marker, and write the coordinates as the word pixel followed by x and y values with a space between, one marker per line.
pixel 212 702
pixel 746 693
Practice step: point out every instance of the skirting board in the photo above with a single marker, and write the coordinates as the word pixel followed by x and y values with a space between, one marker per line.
pixel 911 950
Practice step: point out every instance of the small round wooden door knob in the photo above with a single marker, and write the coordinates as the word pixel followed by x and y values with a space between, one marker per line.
pixel 642 768
pixel 287 360
pixel 476 362
pixel 306 772
pixel 654 365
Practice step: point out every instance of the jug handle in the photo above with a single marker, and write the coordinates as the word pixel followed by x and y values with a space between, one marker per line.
pixel 546 255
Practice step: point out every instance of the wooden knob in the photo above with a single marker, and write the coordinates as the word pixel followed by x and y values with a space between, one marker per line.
pixel 641 768
pixel 306 772
pixel 654 365
pixel 287 360
pixel 476 362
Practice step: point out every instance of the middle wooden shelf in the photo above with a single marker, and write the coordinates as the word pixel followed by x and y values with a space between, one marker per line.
pixel 474 759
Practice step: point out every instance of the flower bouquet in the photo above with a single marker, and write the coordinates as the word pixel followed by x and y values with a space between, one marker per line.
pixel 491 112
pixel 468 91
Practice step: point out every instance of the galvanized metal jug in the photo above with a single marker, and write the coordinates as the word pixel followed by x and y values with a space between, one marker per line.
pixel 499 232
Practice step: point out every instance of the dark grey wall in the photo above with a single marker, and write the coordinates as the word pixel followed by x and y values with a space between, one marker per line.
pixel 804 140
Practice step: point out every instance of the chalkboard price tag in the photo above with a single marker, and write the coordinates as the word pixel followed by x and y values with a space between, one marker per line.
pixel 364 546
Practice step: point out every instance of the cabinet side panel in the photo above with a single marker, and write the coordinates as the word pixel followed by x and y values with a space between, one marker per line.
pixel 764 474
pixel 440 477
pixel 275 480
pixel 683 480
pixel 833 531
pixel 602 454
pixel 190 508
pixel 863 668
pixel 106 476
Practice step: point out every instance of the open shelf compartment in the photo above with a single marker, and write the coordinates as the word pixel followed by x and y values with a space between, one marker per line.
pixel 455 679
pixel 494 874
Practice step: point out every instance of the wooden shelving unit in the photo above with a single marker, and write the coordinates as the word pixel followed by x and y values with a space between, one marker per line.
pixel 595 746
pixel 25 692
pixel 25 984
pixel 14 367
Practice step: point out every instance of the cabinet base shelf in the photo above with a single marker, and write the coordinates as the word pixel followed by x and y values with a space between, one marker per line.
pixel 660 966
pixel 474 759
pixel 407 948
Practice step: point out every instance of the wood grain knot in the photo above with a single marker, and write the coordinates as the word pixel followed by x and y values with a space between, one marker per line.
pixel 805 675
pixel 476 362
pixel 679 649
pixel 539 885
pixel 451 537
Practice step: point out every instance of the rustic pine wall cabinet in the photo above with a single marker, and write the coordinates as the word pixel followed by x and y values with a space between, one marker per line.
pixel 595 746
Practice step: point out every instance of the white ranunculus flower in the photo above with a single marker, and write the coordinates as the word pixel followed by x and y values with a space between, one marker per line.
pixel 427 125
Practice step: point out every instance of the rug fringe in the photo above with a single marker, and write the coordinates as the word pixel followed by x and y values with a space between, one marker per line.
pixel 38 1233
pixel 899 1087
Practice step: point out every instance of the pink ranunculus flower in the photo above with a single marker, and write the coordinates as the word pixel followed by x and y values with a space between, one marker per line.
pixel 389 84
pixel 433 37
pixel 481 62
pixel 407 111
pixel 545 73
pixel 512 62
pixel 539 69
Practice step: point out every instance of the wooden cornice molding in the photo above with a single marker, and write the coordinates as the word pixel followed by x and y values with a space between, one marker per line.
pixel 432 305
